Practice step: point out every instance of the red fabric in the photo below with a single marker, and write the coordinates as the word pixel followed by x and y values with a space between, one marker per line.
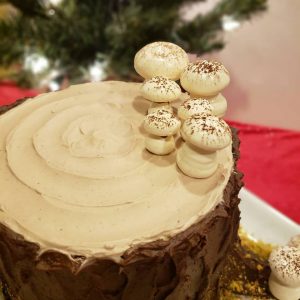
pixel 9 93
pixel 270 159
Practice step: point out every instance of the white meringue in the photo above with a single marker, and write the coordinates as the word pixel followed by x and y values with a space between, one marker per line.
pixel 204 78
pixel 161 59
pixel 160 145
pixel 160 89
pixel 203 135
pixel 206 132
pixel 194 106
pixel 284 281
pixel 161 123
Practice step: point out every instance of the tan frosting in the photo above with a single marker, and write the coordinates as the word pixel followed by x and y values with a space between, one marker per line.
pixel 75 175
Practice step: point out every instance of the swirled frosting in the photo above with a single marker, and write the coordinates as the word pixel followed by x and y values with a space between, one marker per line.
pixel 75 175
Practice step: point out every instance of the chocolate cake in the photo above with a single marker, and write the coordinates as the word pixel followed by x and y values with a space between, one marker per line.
pixel 98 201
pixel 103 240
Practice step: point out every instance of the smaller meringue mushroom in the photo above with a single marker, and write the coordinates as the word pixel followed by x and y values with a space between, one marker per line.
pixel 194 106
pixel 284 282
pixel 161 59
pixel 160 91
pixel 161 125
pixel 203 135
pixel 204 78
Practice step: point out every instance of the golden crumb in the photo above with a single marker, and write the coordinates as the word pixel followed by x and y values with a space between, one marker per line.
pixel 260 248
pixel 246 272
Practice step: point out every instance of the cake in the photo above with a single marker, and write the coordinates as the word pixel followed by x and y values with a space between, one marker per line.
pixel 87 212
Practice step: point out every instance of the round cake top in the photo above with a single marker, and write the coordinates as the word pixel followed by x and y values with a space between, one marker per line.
pixel 161 59
pixel 77 177
pixel 204 78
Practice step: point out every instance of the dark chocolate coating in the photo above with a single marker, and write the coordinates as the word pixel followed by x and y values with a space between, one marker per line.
pixel 186 267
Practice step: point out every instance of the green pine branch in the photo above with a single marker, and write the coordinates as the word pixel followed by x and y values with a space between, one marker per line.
pixel 74 33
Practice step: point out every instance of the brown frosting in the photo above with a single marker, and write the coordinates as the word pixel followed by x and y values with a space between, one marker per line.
pixel 186 265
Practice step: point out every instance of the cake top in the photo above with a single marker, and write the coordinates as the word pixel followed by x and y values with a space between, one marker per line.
pixel 76 173
pixel 78 178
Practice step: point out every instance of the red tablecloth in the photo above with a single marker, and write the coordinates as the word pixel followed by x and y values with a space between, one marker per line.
pixel 270 159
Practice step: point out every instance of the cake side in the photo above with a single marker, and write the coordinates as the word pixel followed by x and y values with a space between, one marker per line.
pixel 187 266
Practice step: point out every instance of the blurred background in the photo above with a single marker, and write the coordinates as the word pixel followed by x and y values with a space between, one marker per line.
pixel 46 45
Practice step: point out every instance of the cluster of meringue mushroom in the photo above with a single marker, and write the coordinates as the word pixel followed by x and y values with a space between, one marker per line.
pixel 284 282
pixel 199 121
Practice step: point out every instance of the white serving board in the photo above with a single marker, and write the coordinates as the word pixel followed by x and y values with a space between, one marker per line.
pixel 262 221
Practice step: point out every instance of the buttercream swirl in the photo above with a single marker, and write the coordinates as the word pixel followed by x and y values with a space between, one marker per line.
pixel 78 179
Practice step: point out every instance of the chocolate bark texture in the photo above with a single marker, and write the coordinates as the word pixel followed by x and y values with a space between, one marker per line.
pixel 185 267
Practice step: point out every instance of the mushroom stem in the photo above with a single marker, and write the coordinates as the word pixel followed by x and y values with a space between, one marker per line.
pixel 282 291
pixel 162 105
pixel 196 162
pixel 160 145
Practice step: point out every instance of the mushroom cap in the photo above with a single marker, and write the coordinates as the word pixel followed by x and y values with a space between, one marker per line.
pixel 194 106
pixel 161 59
pixel 161 123
pixel 204 78
pixel 206 132
pixel 285 265
pixel 160 89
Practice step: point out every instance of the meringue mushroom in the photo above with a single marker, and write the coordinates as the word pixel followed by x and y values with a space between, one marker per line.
pixel 203 135
pixel 284 282
pixel 161 59
pixel 204 78
pixel 161 91
pixel 194 106
pixel 161 126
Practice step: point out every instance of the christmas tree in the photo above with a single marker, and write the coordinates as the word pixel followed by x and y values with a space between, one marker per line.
pixel 76 38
